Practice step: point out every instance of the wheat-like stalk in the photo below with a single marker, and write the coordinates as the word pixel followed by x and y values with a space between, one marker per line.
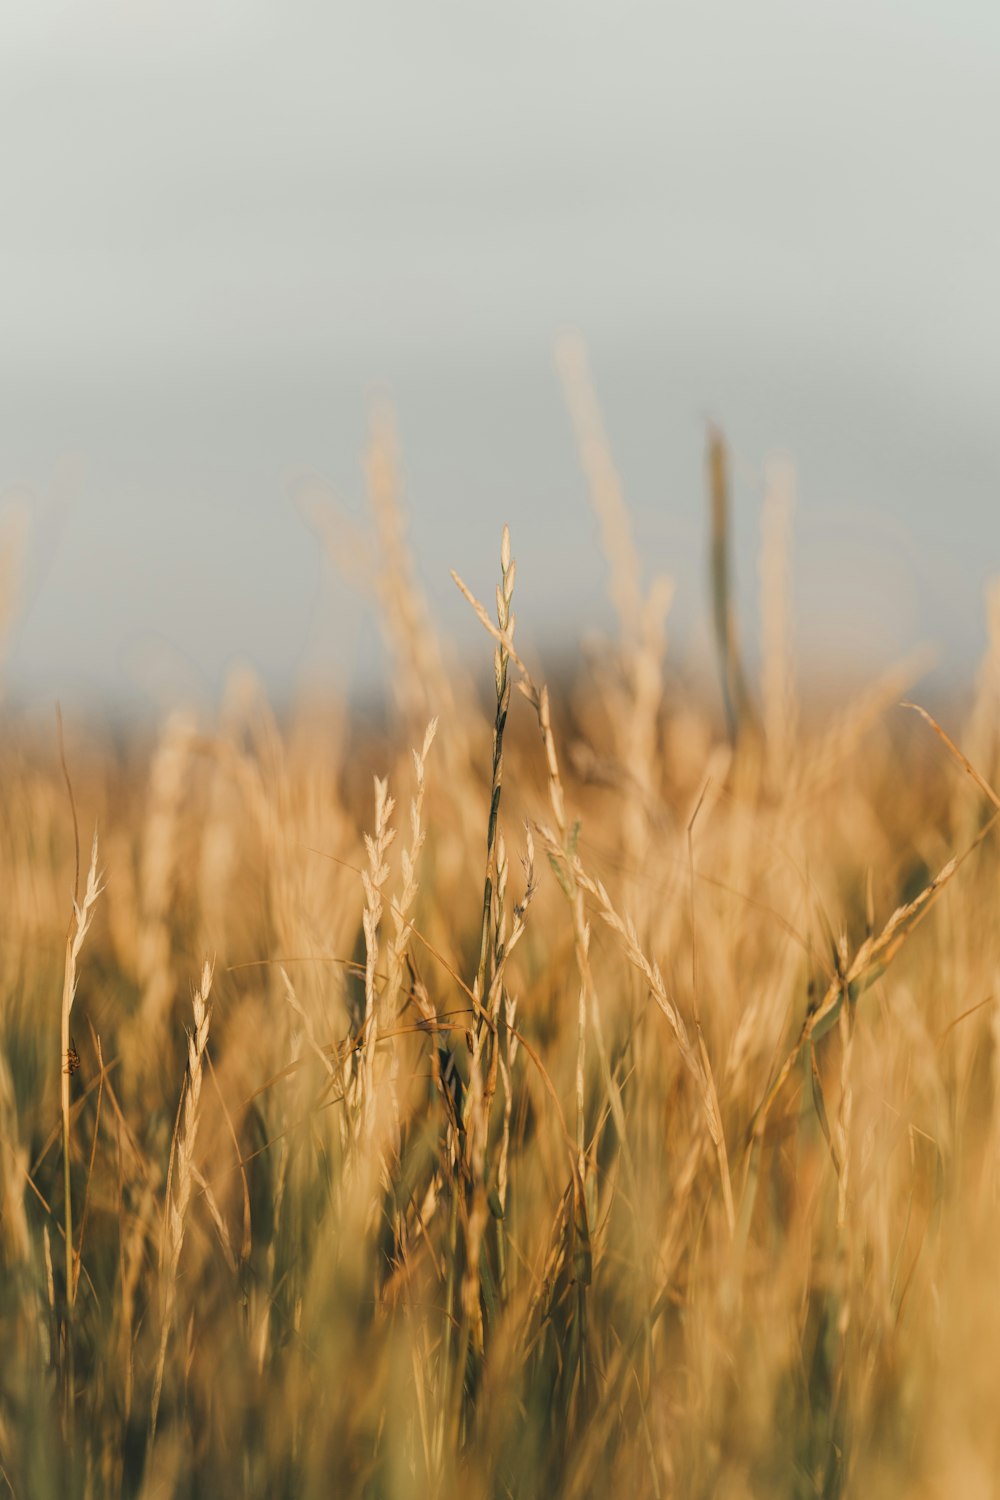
pixel 179 1193
pixel 83 915
pixel 399 943
pixel 373 879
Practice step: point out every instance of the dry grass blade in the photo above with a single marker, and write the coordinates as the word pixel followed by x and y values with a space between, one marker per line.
pixel 966 765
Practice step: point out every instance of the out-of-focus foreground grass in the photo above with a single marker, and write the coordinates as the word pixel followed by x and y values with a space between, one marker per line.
pixel 608 1107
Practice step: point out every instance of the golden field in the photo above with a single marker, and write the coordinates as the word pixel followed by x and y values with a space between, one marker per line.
pixel 572 1097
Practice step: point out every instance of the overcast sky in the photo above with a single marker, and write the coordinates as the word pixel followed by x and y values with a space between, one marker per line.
pixel 221 225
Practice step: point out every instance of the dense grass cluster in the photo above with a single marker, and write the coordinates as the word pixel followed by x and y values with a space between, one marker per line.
pixel 608 1108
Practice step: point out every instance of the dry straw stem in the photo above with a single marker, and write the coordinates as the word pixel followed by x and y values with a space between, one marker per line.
pixel 539 700
pixel 537 697
pixel 953 749
pixel 184 1170
pixel 373 879
pixel 83 915
pixel 487 988
pixel 506 623
pixel 589 1006
pixel 398 943
pixel 506 943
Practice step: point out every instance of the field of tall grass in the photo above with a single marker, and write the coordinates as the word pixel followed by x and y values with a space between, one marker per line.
pixel 572 1095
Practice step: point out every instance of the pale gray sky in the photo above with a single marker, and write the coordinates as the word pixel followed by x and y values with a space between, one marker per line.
pixel 222 223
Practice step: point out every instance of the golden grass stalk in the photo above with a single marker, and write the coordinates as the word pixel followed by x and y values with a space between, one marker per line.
pixel 955 752
pixel 397 947
pixel 501 658
pixel 399 943
pixel 373 879
pixel 83 915
pixel 487 988
pixel 562 856
pixel 179 1191
pixel 538 697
